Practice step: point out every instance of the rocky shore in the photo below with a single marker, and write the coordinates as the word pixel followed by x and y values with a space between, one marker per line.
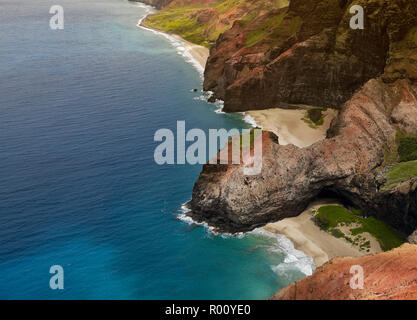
pixel 303 54
pixel 370 75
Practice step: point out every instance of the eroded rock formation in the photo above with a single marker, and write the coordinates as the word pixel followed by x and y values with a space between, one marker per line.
pixel 347 163
pixel 371 75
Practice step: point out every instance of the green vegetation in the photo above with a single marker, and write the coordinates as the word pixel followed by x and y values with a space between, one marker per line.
pixel 403 149
pixel 183 19
pixel 390 156
pixel 337 233
pixel 275 30
pixel 407 149
pixel 405 152
pixel 332 217
pixel 314 117
pixel 179 21
pixel 399 173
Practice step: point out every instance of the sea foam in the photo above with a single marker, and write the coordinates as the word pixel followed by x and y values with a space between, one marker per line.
pixel 179 45
pixel 182 50
pixel 294 260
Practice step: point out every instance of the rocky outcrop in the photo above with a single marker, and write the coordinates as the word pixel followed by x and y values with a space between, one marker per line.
pixel 307 54
pixel 370 74
pixel 413 237
pixel 387 276
pixel 347 163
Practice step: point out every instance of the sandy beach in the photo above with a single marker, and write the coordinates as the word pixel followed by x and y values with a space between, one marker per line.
pixel 289 127
pixel 199 53
pixel 319 244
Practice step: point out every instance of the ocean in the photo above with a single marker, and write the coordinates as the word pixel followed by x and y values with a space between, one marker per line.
pixel 79 186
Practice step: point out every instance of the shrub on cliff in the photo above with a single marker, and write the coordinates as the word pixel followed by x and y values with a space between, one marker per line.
pixel 408 148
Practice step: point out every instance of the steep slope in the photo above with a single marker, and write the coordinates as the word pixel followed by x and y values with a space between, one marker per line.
pixel 371 75
pixel 202 21
pixel 307 54
pixel 387 276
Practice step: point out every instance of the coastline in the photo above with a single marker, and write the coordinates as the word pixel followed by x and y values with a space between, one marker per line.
pixel 310 239
pixel 291 129
pixel 198 54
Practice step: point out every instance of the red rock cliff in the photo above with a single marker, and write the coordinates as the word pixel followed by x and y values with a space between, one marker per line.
pixel 387 276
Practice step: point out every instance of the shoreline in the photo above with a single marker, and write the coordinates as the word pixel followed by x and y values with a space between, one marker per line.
pixel 316 243
pixel 291 129
pixel 197 53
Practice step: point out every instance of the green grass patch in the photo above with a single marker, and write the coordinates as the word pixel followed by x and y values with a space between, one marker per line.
pixel 403 149
pixel 276 30
pixel 407 149
pixel 330 217
pixel 399 173
pixel 337 233
pixel 314 118
pixel 178 22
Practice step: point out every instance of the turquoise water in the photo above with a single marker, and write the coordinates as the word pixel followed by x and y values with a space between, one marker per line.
pixel 78 183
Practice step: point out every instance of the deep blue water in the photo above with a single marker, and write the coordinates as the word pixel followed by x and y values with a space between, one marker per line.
pixel 78 183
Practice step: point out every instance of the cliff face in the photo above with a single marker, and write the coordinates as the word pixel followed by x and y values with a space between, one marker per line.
pixel 348 163
pixel 387 276
pixel 308 54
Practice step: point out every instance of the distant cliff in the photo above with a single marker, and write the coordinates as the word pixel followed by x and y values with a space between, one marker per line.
pixel 387 276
